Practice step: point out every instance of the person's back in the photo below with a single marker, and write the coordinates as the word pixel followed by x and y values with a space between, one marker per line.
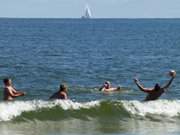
pixel 154 94
pixel 157 91
pixel 58 95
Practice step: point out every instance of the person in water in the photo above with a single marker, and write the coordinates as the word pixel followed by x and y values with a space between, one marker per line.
pixel 157 91
pixel 107 87
pixel 9 91
pixel 61 94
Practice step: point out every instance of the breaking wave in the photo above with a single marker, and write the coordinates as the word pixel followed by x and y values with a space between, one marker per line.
pixel 66 109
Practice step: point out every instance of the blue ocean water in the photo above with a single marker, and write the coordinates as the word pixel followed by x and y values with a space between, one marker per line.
pixel 39 54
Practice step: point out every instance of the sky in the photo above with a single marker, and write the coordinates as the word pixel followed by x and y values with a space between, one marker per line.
pixel 99 8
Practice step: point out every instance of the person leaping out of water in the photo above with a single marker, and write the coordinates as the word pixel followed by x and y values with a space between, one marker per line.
pixel 107 87
pixel 9 91
pixel 61 94
pixel 157 91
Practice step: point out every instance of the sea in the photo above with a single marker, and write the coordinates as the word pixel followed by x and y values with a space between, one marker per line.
pixel 40 54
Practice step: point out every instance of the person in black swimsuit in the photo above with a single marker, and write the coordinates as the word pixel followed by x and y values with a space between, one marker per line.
pixel 157 91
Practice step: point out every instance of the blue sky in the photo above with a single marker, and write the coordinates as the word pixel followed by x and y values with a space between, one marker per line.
pixel 100 8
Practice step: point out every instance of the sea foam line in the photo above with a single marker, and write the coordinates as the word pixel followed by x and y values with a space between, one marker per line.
pixel 10 110
pixel 170 108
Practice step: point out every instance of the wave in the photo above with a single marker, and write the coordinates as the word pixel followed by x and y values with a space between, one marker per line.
pixel 66 109
pixel 11 110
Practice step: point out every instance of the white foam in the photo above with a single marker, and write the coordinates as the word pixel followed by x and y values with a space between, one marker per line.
pixel 10 110
pixel 159 107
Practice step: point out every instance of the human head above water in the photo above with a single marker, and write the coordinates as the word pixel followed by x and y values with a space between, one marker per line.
pixel 107 84
pixel 157 86
pixel 63 87
pixel 7 81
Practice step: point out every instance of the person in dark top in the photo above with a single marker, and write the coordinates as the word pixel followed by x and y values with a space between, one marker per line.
pixel 157 91
pixel 61 94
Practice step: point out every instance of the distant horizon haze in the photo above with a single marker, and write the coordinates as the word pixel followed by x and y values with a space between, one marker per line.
pixel 100 9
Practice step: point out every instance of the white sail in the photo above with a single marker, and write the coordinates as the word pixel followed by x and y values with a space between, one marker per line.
pixel 88 13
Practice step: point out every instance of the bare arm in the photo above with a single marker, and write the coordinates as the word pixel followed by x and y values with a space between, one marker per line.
pixel 111 89
pixel 17 93
pixel 147 90
pixel 65 96
pixel 169 83
pixel 12 94
pixel 101 88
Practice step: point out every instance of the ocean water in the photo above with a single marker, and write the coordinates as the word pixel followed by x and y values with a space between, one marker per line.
pixel 39 54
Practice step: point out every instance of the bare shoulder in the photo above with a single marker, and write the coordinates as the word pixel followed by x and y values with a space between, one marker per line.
pixel 111 90
pixel 6 88
pixel 64 93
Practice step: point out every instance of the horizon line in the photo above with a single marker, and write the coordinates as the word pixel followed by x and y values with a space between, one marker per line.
pixel 90 18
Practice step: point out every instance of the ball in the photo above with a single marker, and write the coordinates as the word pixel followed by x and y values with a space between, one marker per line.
pixel 172 73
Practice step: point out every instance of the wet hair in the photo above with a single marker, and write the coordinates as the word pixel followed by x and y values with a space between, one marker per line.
pixel 6 80
pixel 107 82
pixel 157 86
pixel 63 87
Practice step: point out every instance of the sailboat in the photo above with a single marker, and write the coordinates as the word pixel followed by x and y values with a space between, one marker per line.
pixel 87 14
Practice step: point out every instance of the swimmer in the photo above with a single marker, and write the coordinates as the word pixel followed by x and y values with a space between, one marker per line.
pixel 157 91
pixel 107 87
pixel 9 91
pixel 61 94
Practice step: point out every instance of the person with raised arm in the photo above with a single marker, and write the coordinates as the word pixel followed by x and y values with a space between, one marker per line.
pixel 10 93
pixel 157 91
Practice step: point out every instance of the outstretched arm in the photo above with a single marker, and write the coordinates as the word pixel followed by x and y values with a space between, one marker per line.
pixel 101 88
pixel 12 94
pixel 169 83
pixel 17 93
pixel 147 90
